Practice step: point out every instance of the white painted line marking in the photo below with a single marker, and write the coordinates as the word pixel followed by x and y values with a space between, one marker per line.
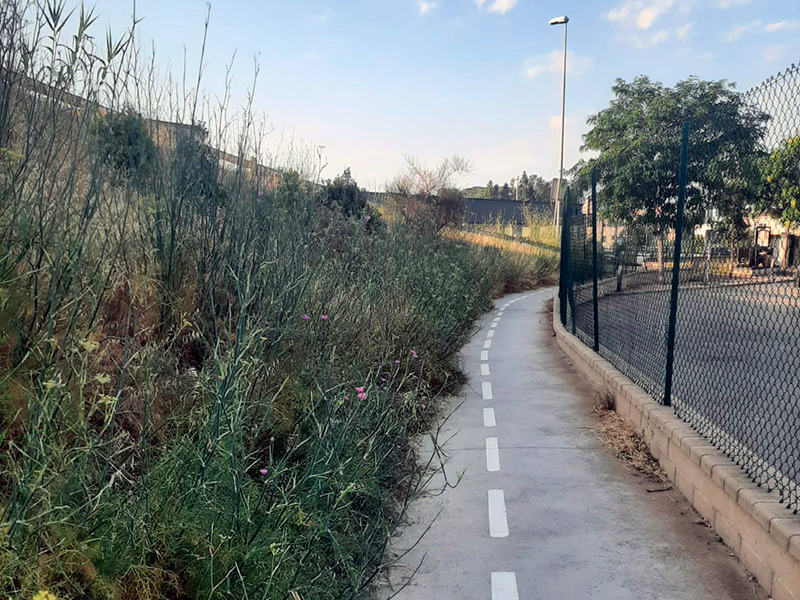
pixel 492 455
pixel 504 586
pixel 484 355
pixel 490 333
pixel 488 418
pixel 496 319
pixel 487 344
pixel 500 314
pixel 493 325
pixel 486 389
pixel 485 369
pixel 498 522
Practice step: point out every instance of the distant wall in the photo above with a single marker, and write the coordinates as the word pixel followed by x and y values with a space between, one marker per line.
pixel 482 210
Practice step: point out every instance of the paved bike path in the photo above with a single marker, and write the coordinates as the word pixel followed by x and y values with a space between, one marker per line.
pixel 542 510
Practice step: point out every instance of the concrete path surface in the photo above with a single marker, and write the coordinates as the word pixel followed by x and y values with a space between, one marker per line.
pixel 543 510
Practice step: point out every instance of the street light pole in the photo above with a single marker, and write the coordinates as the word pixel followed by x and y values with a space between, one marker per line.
pixel 557 217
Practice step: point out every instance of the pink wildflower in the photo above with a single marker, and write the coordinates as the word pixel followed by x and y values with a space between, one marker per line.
pixel 324 317
pixel 360 390
pixel 263 472
pixel 397 362
pixel 305 318
pixel 335 300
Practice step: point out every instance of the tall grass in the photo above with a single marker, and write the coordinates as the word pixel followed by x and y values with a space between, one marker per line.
pixel 208 379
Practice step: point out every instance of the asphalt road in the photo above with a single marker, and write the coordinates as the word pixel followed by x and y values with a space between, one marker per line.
pixel 542 510
pixel 737 365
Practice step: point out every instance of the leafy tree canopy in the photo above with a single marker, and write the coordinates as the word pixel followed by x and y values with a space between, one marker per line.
pixel 781 171
pixel 638 138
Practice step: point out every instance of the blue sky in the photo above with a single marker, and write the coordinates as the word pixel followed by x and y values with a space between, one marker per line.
pixel 374 80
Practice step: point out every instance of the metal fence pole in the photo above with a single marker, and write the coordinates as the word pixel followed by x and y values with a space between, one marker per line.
pixel 564 271
pixel 676 266
pixel 594 263
pixel 570 282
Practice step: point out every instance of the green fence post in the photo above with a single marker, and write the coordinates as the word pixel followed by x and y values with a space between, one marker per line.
pixel 570 282
pixel 594 263
pixel 676 266
pixel 564 270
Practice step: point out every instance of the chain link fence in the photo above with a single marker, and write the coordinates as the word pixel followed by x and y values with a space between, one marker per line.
pixel 680 267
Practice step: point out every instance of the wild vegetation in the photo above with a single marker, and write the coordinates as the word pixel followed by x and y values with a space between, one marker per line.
pixel 210 370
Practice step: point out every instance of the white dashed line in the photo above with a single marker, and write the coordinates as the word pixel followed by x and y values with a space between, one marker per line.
pixel 492 455
pixel 498 522
pixel 493 325
pixel 490 333
pixel 485 369
pixel 487 344
pixel 484 355
pixel 486 389
pixel 500 314
pixel 488 418
pixel 504 586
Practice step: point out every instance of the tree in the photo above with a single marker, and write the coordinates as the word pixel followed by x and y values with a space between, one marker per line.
pixel 505 193
pixel 781 170
pixel 638 138
pixel 490 189
pixel 425 195
pixel 523 187
pixel 781 191
pixel 343 194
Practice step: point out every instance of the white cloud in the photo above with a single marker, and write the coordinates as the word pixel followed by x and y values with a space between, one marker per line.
pixel 642 14
pixel 781 26
pixel 643 41
pixel 739 30
pixel 774 53
pixel 425 7
pixel 682 32
pixel 553 63
pixel 731 3
pixel 324 16
pixel 502 6
pixel 499 7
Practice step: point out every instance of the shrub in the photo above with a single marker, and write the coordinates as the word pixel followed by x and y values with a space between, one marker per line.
pixel 126 145
pixel 344 194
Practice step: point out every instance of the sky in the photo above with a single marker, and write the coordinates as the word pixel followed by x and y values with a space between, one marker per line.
pixel 376 81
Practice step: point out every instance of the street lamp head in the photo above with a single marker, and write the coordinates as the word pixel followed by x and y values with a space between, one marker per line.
pixel 560 20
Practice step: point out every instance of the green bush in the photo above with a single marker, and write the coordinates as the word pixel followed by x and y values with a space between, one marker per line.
pixel 126 145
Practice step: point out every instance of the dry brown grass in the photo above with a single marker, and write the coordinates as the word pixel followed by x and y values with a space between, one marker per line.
pixel 626 444
pixel 483 239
